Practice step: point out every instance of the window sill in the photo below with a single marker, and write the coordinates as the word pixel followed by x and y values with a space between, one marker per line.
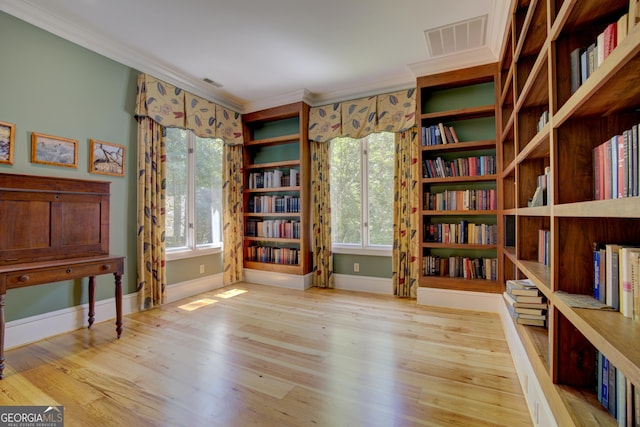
pixel 188 253
pixel 349 250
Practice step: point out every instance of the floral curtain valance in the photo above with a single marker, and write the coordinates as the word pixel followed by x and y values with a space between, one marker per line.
pixel 170 106
pixel 391 112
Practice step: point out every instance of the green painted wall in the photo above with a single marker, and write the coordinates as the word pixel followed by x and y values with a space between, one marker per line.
pixel 183 270
pixel 372 266
pixel 52 86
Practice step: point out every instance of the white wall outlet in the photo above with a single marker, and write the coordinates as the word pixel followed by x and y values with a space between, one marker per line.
pixel 201 268
pixel 356 267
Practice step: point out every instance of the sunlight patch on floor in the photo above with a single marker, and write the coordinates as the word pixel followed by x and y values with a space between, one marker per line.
pixel 231 293
pixel 194 305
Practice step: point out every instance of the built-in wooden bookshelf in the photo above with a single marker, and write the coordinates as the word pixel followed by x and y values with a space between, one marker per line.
pixel 535 78
pixel 276 190
pixel 457 117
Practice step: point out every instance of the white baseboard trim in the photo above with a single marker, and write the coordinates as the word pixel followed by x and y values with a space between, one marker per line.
pixel 537 403
pixel 348 282
pixel 465 300
pixel 281 280
pixel 35 328
pixel 181 290
pixel 24 331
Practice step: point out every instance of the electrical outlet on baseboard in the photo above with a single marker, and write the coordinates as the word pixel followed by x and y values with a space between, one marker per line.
pixel 201 268
pixel 356 267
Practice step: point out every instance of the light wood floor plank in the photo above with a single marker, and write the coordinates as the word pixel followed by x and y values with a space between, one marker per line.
pixel 277 357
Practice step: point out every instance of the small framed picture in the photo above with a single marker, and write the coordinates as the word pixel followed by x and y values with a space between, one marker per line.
pixel 106 158
pixel 54 150
pixel 7 140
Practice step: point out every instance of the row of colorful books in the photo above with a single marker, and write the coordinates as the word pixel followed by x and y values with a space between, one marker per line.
pixel 274 204
pixel 526 304
pixel 274 179
pixel 464 166
pixel 274 255
pixel 439 134
pixel 615 166
pixel 616 393
pixel 462 232
pixel 616 277
pixel 273 228
pixel 463 267
pixel 460 200
pixel 585 60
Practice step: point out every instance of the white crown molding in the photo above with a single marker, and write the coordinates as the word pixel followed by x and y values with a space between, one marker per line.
pixel 30 12
pixel 456 61
pixel 276 101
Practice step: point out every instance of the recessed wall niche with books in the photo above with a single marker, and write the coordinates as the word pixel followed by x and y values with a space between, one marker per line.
pixel 553 243
pixel 460 230
pixel 276 190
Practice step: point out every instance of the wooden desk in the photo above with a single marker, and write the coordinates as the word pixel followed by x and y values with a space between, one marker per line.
pixel 35 273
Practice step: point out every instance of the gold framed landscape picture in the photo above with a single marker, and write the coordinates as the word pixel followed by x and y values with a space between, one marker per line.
pixel 7 142
pixel 54 150
pixel 106 158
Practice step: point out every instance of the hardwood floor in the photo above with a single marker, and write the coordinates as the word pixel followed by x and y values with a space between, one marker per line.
pixel 277 357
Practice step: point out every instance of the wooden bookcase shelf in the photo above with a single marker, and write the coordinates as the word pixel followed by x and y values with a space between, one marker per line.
pixel 276 139
pixel 534 78
pixel 465 100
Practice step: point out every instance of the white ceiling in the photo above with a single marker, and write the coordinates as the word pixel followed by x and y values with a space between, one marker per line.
pixel 270 52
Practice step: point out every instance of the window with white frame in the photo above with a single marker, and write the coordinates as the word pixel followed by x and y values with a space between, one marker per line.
pixel 193 217
pixel 361 180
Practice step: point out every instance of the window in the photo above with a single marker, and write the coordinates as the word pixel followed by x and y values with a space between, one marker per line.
pixel 361 180
pixel 193 221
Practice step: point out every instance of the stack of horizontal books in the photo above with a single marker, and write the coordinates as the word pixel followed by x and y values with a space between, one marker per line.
pixel 527 305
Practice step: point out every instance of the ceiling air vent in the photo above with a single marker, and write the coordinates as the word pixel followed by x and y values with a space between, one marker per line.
pixel 212 82
pixel 457 37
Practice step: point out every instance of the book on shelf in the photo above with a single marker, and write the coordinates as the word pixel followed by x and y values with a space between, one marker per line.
pixel 599 271
pixel 517 304
pixel 463 166
pixel 462 232
pixel 439 134
pixel 612 288
pixel 576 77
pixel 617 395
pixel 625 281
pixel 460 267
pixel 526 304
pixel 585 60
pixel 581 301
pixel 524 287
pixel 460 200
pixel 544 246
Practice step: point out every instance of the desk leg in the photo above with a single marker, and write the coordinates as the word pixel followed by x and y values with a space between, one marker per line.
pixel 118 303
pixel 92 300
pixel 2 336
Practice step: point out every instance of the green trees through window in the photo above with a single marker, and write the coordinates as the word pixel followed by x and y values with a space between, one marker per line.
pixel 362 190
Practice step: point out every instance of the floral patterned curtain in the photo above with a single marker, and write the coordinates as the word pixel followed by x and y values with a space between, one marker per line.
pixel 200 116
pixel 321 216
pixel 406 246
pixel 151 208
pixel 392 112
pixel 359 117
pixel 160 105
pixel 232 214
